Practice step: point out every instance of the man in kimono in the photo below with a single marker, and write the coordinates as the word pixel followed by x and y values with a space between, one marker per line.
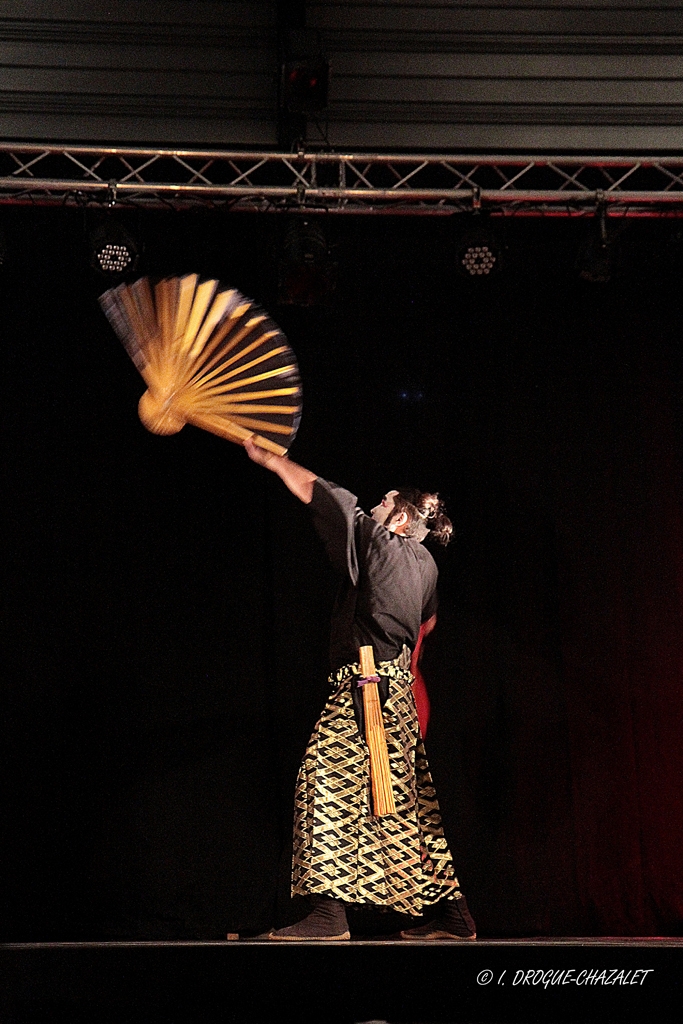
pixel 342 853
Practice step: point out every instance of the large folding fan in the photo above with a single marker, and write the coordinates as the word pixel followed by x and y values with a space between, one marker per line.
pixel 210 357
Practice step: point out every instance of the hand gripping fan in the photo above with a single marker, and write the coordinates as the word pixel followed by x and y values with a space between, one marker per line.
pixel 209 357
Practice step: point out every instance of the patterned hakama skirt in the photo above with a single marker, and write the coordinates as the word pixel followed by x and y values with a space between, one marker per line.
pixel 341 850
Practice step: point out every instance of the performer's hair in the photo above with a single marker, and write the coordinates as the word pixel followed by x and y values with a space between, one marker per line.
pixel 425 511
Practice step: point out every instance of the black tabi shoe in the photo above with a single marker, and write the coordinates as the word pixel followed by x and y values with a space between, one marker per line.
pixel 454 922
pixel 326 923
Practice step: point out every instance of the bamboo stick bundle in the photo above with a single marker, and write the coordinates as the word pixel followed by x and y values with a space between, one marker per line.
pixel 380 770
pixel 210 357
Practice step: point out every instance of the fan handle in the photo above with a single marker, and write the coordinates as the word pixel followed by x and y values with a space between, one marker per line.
pixel 236 434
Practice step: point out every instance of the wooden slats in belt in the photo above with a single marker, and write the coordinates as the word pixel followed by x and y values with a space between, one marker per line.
pixel 380 772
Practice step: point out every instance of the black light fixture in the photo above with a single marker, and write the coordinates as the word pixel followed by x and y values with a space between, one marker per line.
pixel 305 73
pixel 3 249
pixel 307 274
pixel 113 250
pixel 479 253
pixel 595 259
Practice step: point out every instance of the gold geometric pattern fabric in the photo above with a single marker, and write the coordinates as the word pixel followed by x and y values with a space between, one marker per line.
pixel 400 860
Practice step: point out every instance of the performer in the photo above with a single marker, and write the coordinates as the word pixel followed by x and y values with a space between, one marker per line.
pixel 342 853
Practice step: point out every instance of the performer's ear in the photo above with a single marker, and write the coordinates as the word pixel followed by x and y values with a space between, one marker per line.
pixel 398 522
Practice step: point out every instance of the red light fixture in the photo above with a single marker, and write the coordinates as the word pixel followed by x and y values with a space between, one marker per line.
pixel 305 73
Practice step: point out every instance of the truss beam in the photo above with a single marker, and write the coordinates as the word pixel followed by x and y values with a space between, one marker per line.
pixel 339 182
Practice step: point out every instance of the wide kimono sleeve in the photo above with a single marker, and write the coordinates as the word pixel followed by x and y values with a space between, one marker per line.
pixel 431 606
pixel 335 513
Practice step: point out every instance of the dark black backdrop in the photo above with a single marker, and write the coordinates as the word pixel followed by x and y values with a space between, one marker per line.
pixel 166 603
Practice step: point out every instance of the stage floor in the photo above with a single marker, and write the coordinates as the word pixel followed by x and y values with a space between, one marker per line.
pixel 491 981
pixel 616 941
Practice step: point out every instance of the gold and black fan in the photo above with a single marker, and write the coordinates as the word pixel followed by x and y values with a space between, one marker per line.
pixel 210 357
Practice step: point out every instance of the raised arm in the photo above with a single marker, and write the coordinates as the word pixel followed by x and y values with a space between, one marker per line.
pixel 299 480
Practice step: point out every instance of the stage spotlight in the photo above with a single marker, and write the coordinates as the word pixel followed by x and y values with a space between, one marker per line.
pixel 478 260
pixel 307 275
pixel 594 261
pixel 113 250
pixel 478 255
pixel 304 73
pixel 598 257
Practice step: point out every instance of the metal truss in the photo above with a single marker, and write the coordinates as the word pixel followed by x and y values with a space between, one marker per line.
pixel 340 182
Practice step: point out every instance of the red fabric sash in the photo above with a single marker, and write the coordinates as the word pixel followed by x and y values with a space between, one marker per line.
pixel 419 686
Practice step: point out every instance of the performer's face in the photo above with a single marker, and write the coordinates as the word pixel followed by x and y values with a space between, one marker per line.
pixel 382 513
